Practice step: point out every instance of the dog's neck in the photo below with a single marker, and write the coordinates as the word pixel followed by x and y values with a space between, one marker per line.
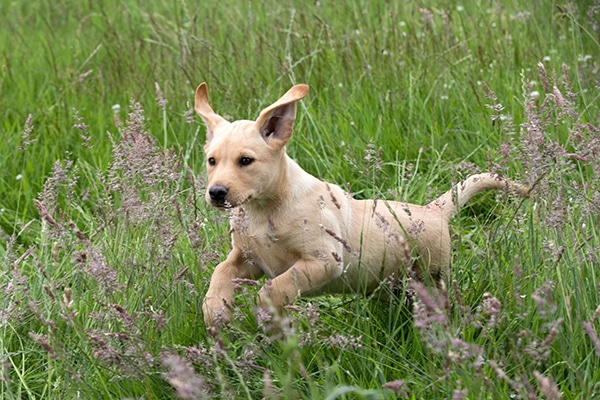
pixel 292 183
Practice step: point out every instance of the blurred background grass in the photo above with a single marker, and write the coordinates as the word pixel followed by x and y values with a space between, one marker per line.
pixel 404 74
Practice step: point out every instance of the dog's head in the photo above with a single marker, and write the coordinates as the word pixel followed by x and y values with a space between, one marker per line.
pixel 243 157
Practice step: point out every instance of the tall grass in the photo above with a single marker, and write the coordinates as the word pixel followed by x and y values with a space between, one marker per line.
pixel 107 245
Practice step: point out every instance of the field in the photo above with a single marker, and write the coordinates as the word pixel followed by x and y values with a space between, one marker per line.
pixel 107 244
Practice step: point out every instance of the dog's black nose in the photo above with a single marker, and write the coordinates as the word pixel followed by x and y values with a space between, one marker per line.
pixel 217 193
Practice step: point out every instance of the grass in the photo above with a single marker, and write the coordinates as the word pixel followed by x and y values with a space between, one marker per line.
pixel 107 244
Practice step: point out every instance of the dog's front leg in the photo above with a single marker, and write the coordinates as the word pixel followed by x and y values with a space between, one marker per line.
pixel 305 276
pixel 219 297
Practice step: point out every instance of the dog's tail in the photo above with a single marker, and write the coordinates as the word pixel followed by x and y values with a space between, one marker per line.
pixel 451 201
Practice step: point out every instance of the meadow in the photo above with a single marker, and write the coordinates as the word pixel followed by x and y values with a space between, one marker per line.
pixel 107 244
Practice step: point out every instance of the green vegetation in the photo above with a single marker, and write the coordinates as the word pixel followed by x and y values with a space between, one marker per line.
pixel 107 245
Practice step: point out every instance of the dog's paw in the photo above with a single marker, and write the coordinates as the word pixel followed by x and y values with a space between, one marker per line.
pixel 216 312
pixel 276 296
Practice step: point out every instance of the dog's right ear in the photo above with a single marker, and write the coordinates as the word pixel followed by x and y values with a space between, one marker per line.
pixel 210 118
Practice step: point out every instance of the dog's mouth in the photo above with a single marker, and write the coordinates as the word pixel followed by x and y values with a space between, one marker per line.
pixel 221 205
pixel 228 205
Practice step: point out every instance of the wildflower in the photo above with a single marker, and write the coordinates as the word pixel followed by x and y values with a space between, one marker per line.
pixel 247 361
pixel 46 217
pixel 543 76
pixel 398 386
pixel 491 307
pixel 547 386
pixel 593 337
pixel 263 316
pixel 373 158
pixel 268 389
pixel 27 129
pixel 459 394
pixel 427 311
pixel 543 298
pixel 338 238
pixel 596 314
pixel 427 15
pixel 344 342
pixel 79 124
pixel 198 354
pixel 500 374
pixel 42 340
pixel 553 333
pixel 93 261
pixel 67 300
pixel 182 376
pixel 190 115
pixel 125 317
pixel 161 101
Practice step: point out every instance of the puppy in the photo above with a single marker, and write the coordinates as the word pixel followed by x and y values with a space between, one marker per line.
pixel 308 236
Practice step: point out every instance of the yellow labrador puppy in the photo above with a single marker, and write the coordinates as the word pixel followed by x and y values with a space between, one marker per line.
pixel 309 236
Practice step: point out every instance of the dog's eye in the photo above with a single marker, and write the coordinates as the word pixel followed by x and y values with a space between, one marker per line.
pixel 246 161
pixel 211 161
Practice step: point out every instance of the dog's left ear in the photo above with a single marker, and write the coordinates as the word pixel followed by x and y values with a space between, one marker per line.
pixel 276 122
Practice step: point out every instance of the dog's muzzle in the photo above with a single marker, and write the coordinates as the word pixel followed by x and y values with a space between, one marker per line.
pixel 217 194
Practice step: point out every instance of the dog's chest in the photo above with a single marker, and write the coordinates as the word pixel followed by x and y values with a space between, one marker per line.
pixel 265 242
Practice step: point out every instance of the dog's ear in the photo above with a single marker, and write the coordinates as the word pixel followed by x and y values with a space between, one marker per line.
pixel 276 122
pixel 210 118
